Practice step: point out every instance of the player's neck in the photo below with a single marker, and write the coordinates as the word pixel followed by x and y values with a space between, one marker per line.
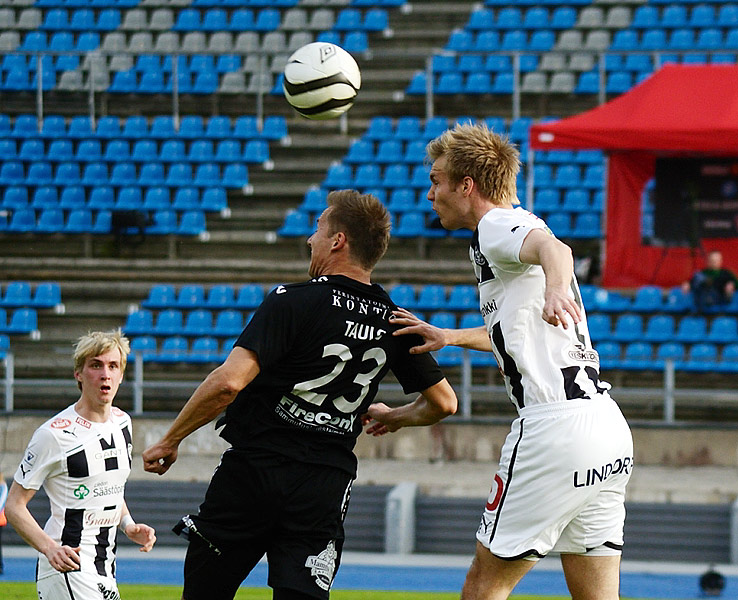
pixel 92 412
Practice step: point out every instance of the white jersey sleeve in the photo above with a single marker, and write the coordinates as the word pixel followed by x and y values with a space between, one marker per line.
pixel 43 459
pixel 501 238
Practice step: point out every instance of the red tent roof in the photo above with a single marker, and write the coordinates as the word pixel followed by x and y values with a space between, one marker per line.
pixel 680 107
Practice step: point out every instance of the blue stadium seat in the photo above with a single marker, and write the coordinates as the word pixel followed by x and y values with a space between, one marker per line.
pixel 161 295
pixel 691 329
pixel 638 356
pixel 79 221
pixel 203 350
pixel 249 296
pixel 145 345
pixel 449 356
pixel 17 294
pixel 296 224
pixel 728 359
pixel 50 220
pixel 431 297
pixel 140 322
pixel 101 198
pixel 403 295
pixel 659 328
pixel 221 296
pixel 173 349
pixel 198 323
pixel 677 300
pixel 227 323
pixel 648 298
pixel 164 222
pixel 443 319
pixel 190 296
pixel 673 351
pixel 609 301
pixel 599 327
pixel 23 321
pixel 723 330
pixel 628 327
pixel 560 224
pixel 168 322
pixel 23 220
pixel 462 298
pixel 702 357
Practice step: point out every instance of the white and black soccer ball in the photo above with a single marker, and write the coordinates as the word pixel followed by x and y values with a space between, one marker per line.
pixel 321 80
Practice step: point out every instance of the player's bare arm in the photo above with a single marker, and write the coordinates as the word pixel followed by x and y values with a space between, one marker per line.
pixel 210 398
pixel 138 533
pixel 435 338
pixel 541 248
pixel 61 558
pixel 433 404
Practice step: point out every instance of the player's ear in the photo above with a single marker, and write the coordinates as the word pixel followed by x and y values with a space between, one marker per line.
pixel 339 239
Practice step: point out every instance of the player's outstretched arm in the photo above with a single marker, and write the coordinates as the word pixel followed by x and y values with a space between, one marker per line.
pixel 435 338
pixel 210 398
pixel 61 558
pixel 433 404
pixel 555 257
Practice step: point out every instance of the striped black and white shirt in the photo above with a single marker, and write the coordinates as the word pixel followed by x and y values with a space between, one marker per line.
pixel 83 466
pixel 541 363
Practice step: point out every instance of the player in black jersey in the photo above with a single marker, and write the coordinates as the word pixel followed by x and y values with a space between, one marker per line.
pixel 297 386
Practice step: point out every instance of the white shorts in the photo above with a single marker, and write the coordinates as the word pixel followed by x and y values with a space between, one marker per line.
pixel 561 482
pixel 77 585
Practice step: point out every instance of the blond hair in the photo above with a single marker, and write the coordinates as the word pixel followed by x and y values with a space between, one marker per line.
pixel 96 343
pixel 365 221
pixel 475 151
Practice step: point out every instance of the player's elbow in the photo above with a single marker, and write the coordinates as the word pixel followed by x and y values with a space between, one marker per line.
pixel 444 400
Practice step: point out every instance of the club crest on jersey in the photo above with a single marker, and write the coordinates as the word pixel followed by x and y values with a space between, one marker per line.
pixel 323 566
pixel 117 411
pixel 60 423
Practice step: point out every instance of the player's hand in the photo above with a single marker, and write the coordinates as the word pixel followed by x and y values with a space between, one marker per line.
pixel 433 337
pixel 63 558
pixel 375 418
pixel 158 458
pixel 557 306
pixel 141 534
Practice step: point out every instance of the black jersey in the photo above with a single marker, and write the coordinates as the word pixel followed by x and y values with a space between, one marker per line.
pixel 323 347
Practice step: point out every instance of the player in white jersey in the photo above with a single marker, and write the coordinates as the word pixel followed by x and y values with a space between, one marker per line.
pixel 560 486
pixel 82 457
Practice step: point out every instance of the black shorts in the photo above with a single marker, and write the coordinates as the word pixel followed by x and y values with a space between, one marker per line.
pixel 293 512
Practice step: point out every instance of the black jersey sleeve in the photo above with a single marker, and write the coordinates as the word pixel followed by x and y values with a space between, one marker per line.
pixel 415 372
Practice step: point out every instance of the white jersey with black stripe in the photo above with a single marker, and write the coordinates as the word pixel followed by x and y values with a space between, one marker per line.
pixel 83 467
pixel 540 363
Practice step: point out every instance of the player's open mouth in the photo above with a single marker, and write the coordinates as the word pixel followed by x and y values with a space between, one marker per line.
pixel 104 388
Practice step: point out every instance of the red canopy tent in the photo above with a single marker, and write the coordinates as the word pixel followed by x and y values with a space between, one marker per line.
pixel 679 110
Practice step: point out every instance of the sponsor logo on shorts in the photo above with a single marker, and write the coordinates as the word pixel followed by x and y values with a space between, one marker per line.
pixel 595 475
pixel 493 503
pixel 323 566
pixel 108 593
pixel 60 423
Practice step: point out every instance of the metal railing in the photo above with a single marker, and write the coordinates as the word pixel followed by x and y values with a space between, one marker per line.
pixel 667 397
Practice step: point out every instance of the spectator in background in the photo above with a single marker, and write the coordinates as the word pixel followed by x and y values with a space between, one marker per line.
pixel 3 520
pixel 712 287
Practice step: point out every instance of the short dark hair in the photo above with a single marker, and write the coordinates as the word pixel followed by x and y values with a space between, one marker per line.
pixel 365 221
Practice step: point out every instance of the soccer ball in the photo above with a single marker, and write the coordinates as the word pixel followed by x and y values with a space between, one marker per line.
pixel 321 80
